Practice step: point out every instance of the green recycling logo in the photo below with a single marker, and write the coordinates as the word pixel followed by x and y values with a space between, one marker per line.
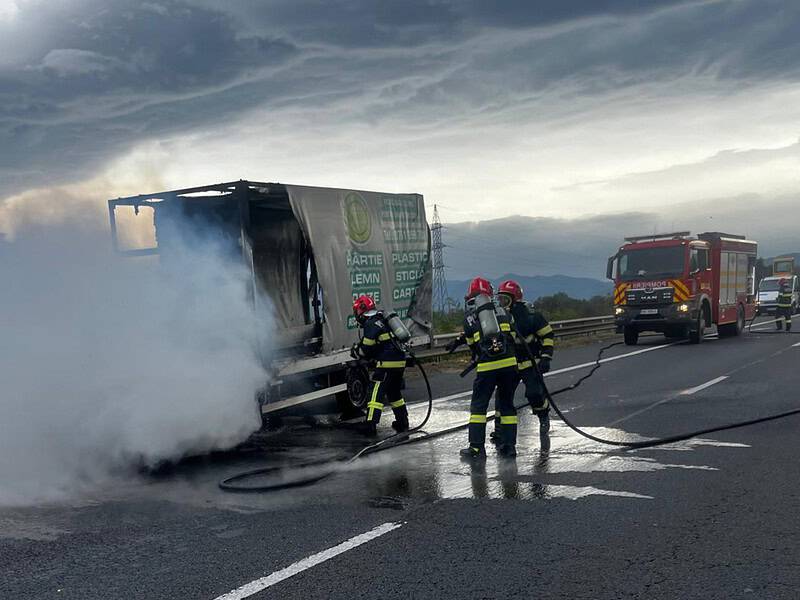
pixel 357 219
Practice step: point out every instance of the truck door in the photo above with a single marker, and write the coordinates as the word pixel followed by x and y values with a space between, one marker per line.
pixel 700 270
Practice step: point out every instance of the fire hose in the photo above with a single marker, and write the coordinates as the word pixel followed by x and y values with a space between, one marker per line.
pixel 230 483
pixel 233 483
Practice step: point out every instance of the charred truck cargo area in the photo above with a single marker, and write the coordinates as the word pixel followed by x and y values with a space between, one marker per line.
pixel 309 251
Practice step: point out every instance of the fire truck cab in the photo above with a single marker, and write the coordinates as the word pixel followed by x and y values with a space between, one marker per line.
pixel 680 285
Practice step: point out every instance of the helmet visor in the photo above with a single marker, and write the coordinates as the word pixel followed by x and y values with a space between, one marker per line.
pixel 504 300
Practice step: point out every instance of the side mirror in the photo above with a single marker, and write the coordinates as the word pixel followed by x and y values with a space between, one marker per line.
pixel 610 267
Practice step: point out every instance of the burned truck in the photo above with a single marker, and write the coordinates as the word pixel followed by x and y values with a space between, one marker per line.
pixel 310 251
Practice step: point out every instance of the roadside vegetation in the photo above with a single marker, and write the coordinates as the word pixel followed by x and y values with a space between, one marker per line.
pixel 558 307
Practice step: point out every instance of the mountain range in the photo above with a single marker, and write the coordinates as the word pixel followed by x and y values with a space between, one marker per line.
pixel 541 285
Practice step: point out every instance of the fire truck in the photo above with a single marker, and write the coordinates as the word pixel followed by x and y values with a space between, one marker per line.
pixel 681 285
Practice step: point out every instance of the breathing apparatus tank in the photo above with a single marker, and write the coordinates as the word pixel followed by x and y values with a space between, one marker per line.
pixel 398 328
pixel 487 317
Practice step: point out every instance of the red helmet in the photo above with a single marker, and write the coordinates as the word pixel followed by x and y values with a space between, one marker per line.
pixel 512 288
pixel 479 286
pixel 363 304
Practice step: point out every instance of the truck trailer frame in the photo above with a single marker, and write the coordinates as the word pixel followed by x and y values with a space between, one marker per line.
pixel 317 248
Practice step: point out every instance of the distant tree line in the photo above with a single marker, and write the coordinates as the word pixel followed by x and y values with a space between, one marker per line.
pixel 558 307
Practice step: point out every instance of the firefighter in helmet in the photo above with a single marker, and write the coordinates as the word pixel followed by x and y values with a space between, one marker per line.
pixel 532 329
pixel 380 344
pixel 784 309
pixel 487 330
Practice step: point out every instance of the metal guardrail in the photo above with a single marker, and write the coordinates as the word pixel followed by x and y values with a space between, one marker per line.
pixel 563 329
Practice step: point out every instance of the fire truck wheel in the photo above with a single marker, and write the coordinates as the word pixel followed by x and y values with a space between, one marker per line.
pixel 631 336
pixel 697 332
pixel 740 321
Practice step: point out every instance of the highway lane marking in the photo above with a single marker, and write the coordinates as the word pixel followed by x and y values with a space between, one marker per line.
pixel 796 345
pixel 569 369
pixel 703 386
pixel 588 365
pixel 263 583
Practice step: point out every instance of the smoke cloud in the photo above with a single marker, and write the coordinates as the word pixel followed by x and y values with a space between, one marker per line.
pixel 109 362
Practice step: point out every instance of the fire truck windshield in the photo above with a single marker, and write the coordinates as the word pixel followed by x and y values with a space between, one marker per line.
pixel 648 263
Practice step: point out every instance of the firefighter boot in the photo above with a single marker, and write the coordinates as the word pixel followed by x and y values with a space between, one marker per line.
pixel 508 436
pixel 779 324
pixel 544 431
pixel 473 453
pixel 788 325
pixel 369 429
pixel 400 423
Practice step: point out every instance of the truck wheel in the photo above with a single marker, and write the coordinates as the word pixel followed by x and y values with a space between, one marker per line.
pixel 740 322
pixel 631 336
pixel 697 332
pixel 358 388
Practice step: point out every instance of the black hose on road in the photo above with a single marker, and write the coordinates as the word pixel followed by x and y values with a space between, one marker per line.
pixel 646 443
pixel 400 439
pixel 232 483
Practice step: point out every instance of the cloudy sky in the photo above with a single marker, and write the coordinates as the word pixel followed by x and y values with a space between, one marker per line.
pixel 622 114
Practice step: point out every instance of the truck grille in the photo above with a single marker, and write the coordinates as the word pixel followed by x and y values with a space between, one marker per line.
pixel 647 297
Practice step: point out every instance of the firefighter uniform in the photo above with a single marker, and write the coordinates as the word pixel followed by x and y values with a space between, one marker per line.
pixel 784 309
pixel 538 335
pixel 494 371
pixel 378 344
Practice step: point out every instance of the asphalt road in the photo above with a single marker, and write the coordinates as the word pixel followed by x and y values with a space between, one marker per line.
pixel 708 518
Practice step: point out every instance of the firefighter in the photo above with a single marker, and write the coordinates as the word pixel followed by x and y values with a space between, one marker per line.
pixel 487 331
pixel 379 344
pixel 538 335
pixel 784 310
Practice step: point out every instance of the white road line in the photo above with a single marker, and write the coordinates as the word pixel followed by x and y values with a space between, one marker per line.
pixel 609 359
pixel 763 324
pixel 707 384
pixel 591 364
pixel 567 369
pixel 258 585
pixel 796 345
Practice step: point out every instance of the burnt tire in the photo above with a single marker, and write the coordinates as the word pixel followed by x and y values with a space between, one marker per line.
pixel 631 336
pixel 358 390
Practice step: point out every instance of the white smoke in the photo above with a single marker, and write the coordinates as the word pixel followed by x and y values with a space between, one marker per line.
pixel 106 362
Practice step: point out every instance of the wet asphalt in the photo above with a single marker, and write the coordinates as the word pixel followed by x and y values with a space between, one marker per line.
pixel 709 518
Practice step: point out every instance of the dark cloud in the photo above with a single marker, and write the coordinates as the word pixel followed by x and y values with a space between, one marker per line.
pixel 511 13
pixel 580 247
pixel 82 81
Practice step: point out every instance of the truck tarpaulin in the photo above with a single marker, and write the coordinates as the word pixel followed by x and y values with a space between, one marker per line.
pixel 366 243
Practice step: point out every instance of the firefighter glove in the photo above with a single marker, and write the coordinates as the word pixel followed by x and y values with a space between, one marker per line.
pixel 453 344
pixel 544 365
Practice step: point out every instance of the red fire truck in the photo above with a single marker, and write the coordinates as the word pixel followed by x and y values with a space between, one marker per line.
pixel 681 285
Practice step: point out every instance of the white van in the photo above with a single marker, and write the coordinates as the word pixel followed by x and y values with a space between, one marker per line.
pixel 768 294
